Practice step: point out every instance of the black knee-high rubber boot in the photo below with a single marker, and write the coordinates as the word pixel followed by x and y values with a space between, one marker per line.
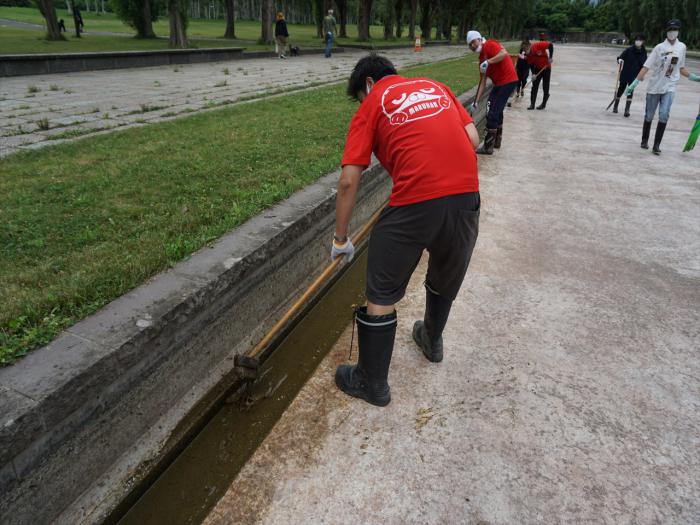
pixel 428 333
pixel 658 137
pixel 627 108
pixel 617 103
pixel 545 98
pixel 499 137
pixel 646 130
pixel 368 378
pixel 489 140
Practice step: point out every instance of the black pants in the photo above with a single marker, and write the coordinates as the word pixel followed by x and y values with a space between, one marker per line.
pixel 447 227
pixel 522 82
pixel 497 103
pixel 544 78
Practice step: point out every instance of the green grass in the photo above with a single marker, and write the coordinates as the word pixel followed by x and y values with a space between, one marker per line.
pixel 205 33
pixel 82 223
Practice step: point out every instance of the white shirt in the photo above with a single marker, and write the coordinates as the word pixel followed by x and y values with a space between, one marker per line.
pixel 664 64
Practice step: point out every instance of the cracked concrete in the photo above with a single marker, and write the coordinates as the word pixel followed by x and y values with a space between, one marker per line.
pixel 570 389
pixel 83 103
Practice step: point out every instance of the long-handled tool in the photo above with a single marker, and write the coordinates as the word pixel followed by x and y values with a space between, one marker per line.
pixel 248 363
pixel 482 80
pixel 694 134
pixel 617 83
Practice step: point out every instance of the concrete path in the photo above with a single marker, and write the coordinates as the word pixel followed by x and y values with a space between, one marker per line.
pixel 570 389
pixel 78 104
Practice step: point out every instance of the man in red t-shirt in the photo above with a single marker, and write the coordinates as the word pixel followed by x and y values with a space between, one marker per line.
pixel 425 139
pixel 540 60
pixel 495 63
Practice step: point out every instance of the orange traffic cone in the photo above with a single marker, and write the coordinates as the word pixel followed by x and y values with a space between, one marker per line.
pixel 417 46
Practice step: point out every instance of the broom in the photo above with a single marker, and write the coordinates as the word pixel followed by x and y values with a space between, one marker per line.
pixel 694 134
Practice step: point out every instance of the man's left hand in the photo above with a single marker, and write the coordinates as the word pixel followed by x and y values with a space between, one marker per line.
pixel 484 66
pixel 694 77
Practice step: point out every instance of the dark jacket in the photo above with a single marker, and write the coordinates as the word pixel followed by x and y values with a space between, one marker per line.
pixel 634 60
pixel 281 28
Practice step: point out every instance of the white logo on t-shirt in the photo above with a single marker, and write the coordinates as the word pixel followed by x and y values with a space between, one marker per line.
pixel 413 100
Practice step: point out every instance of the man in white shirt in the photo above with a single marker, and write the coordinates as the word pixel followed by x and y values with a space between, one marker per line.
pixel 666 64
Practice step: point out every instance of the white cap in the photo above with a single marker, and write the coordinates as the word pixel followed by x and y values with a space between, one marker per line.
pixel 472 35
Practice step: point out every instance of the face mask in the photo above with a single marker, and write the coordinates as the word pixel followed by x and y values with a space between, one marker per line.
pixel 368 88
pixel 478 49
pixel 638 43
pixel 672 35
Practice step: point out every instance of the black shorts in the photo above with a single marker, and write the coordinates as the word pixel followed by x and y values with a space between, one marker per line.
pixel 447 227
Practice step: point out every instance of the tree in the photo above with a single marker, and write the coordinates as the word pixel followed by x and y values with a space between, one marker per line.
pixel 343 17
pixel 388 20
pixel 363 19
pixel 48 11
pixel 398 13
pixel 412 20
pixel 426 20
pixel 139 14
pixel 229 8
pixel 557 23
pixel 266 21
pixel 177 11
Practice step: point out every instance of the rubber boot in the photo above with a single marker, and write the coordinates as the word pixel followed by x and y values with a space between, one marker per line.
pixel 533 99
pixel 646 129
pixel 368 378
pixel 499 137
pixel 617 103
pixel 487 147
pixel 627 108
pixel 544 102
pixel 428 333
pixel 658 137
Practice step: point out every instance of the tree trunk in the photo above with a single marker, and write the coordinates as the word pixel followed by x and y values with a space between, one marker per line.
pixel 412 20
pixel 48 11
pixel 343 15
pixel 426 22
pixel 145 29
pixel 398 12
pixel 363 19
pixel 266 18
pixel 76 20
pixel 178 32
pixel 318 14
pixel 388 20
pixel 229 7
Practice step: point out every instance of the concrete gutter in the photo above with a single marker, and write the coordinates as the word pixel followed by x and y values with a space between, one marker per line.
pixel 86 418
pixel 42 64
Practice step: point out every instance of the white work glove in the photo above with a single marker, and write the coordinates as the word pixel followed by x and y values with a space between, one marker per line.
pixel 620 61
pixel 473 107
pixel 345 248
pixel 484 66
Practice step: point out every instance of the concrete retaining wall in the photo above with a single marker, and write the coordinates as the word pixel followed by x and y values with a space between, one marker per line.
pixel 85 418
pixel 18 65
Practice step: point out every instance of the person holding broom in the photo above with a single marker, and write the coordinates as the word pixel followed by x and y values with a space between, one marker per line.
pixel 496 64
pixel 407 123
pixel 666 64
pixel 540 60
pixel 631 61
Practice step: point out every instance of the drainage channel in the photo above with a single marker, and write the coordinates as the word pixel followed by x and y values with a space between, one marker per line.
pixel 192 484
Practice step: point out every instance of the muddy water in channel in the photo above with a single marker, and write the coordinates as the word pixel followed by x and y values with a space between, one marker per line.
pixel 196 480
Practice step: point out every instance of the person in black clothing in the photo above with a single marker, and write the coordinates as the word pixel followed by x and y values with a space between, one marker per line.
pixel 522 68
pixel 632 60
pixel 281 34
pixel 62 25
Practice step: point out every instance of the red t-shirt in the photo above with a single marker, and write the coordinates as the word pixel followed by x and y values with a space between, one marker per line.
pixel 537 55
pixel 501 73
pixel 415 127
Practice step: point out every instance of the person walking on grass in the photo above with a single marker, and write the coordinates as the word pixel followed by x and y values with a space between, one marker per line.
pixel 407 123
pixel 281 34
pixel 631 60
pixel 496 64
pixel 540 60
pixel 666 64
pixel 329 32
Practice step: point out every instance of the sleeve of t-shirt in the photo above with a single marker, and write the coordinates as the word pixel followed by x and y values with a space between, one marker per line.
pixel 652 59
pixel 360 139
pixel 681 59
pixel 466 119
pixel 492 48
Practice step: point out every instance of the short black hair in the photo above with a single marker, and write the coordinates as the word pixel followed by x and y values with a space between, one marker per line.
pixel 640 36
pixel 374 66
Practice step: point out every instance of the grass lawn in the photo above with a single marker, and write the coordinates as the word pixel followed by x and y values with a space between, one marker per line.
pixel 248 32
pixel 85 222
